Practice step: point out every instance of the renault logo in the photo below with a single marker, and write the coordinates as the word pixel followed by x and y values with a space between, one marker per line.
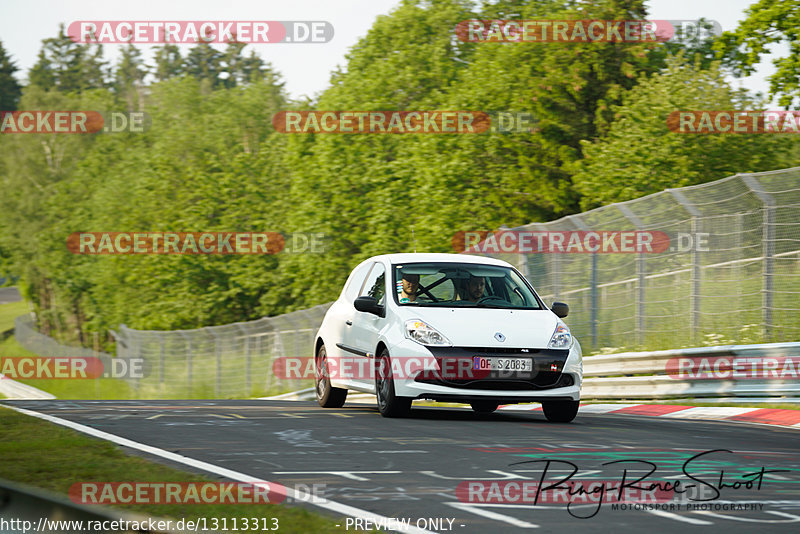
pixel 499 337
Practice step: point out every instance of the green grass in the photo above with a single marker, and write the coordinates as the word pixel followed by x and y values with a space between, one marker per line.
pixel 730 310
pixel 89 389
pixel 10 311
pixel 50 457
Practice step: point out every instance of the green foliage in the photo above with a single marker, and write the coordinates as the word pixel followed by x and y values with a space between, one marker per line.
pixel 640 155
pixel 767 22
pixel 10 89
pixel 68 66
pixel 211 160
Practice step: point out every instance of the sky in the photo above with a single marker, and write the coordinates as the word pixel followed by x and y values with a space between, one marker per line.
pixel 305 68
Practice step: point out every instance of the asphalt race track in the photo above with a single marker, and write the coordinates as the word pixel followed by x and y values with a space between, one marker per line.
pixel 410 468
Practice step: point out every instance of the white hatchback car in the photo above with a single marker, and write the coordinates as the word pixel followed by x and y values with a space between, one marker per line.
pixel 448 328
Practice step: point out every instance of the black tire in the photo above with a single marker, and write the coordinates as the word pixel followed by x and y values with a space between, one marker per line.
pixel 484 406
pixel 327 395
pixel 389 404
pixel 560 411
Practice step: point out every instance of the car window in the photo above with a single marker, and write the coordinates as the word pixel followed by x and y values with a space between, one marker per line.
pixel 464 285
pixel 375 286
pixel 356 281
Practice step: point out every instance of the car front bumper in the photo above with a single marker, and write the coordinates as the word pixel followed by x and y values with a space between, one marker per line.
pixel 556 375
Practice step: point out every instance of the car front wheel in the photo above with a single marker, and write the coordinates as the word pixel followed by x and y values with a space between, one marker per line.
pixel 327 395
pixel 389 404
pixel 560 411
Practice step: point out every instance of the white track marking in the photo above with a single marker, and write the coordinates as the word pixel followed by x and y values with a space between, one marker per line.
pixel 677 517
pixel 709 412
pixel 603 408
pixel 792 518
pixel 475 509
pixel 345 474
pixel 339 508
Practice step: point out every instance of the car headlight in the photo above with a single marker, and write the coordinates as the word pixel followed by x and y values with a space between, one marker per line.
pixel 561 339
pixel 425 334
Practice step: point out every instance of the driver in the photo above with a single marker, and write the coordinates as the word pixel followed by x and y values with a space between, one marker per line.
pixel 475 287
pixel 410 283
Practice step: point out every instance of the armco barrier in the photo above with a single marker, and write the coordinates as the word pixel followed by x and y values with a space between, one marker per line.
pixel 645 375
pixel 44 511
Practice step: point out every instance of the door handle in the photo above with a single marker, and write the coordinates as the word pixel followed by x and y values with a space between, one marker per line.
pixel 348 323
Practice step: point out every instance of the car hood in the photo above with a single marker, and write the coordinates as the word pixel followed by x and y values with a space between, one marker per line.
pixel 477 327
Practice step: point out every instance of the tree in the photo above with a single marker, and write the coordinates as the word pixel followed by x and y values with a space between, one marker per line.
pixel 169 63
pixel 130 74
pixel 767 22
pixel 68 66
pixel 203 62
pixel 10 89
pixel 641 155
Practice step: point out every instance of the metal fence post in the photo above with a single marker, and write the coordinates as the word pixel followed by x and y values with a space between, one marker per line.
pixel 218 355
pixel 161 360
pixel 580 225
pixel 188 362
pixel 246 358
pixel 641 276
pixel 768 250
pixel 696 274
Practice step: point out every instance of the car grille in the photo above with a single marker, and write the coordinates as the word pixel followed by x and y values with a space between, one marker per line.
pixel 543 376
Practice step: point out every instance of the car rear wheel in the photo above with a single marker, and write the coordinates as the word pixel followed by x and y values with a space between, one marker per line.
pixel 327 395
pixel 560 411
pixel 389 404
pixel 484 406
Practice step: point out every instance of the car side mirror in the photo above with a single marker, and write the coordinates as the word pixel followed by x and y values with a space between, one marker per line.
pixel 369 305
pixel 560 309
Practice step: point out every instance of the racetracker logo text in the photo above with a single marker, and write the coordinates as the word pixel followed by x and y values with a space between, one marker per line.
pixel 73 122
pixel 581 31
pixel 357 367
pixel 200 31
pixel 734 122
pixel 73 367
pixel 176 493
pixel 530 242
pixel 175 243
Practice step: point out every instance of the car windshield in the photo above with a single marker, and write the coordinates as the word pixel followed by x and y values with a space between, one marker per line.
pixel 463 285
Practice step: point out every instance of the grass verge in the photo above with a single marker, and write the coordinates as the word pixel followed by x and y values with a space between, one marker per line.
pixel 48 456
pixel 10 311
pixel 89 389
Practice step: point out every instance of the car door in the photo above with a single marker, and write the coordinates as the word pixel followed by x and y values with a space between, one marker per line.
pixel 366 326
pixel 341 316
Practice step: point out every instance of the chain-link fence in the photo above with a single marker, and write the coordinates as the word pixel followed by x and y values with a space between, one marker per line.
pixel 234 360
pixel 30 338
pixel 730 275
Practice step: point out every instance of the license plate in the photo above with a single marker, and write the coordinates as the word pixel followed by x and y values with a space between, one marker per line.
pixel 479 363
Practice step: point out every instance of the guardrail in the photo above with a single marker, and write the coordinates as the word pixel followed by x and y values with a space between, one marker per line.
pixel 27 509
pixel 236 360
pixel 769 370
